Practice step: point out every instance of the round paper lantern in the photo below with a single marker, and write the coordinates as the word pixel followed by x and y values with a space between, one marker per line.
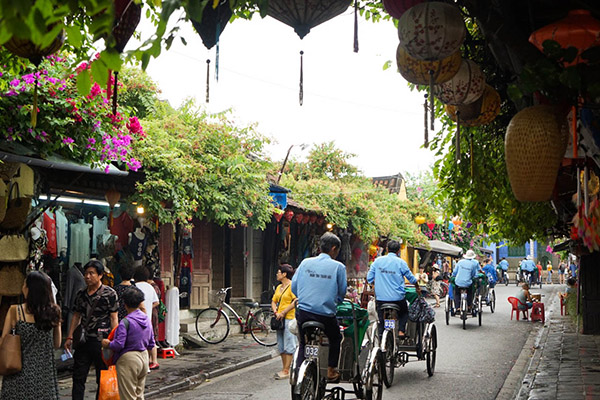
pixel 289 214
pixel 426 72
pixel 457 221
pixel 299 217
pixel 398 7
pixel 112 196
pixel 464 88
pixel 431 225
pixel 305 219
pixel 579 29
pixel 26 49
pixel 213 22
pixel 439 220
pixel 431 31
pixel 127 18
pixel 535 144
pixel 277 213
pixel 302 15
pixel 419 220
pixel 313 219
pixel 450 225
pixel 488 108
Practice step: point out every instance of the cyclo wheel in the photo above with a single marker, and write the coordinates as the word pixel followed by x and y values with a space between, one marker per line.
pixel 308 385
pixel 492 301
pixel 479 310
pixel 463 312
pixel 447 308
pixel 388 356
pixel 431 352
pixel 212 325
pixel 375 392
pixel 260 328
pixel 506 280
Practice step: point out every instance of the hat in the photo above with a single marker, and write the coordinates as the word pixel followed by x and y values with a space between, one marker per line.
pixel 470 254
pixel 436 268
pixel 529 257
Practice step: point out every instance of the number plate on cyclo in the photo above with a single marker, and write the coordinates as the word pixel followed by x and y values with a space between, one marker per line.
pixel 311 351
pixel 389 324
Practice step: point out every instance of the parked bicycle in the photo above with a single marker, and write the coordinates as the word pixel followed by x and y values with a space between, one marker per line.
pixel 213 323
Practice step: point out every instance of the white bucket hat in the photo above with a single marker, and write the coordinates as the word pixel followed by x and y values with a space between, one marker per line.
pixel 529 257
pixel 470 254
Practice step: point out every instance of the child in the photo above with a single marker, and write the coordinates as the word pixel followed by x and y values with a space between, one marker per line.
pixel 133 338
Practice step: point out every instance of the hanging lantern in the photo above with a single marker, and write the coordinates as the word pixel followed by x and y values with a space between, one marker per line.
pixel 487 109
pixel 464 88
pixel 299 217
pixel 579 29
pixel 26 49
pixel 419 220
pixel 127 18
pixel 305 219
pixel 431 225
pixel 320 220
pixel 303 15
pixel 289 214
pixel 450 225
pixel 457 221
pixel 535 144
pixel 425 72
pixel 112 196
pixel 431 31
pixel 278 214
pixel 439 220
pixel 313 218
pixel 214 19
pixel 398 7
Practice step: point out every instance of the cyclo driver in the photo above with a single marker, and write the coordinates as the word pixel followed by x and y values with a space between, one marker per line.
pixel 464 272
pixel 529 266
pixel 319 284
pixel 389 272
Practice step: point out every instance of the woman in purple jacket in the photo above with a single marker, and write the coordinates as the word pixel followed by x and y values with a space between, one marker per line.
pixel 132 339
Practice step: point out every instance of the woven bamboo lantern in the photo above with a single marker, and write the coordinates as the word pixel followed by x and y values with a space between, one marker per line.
pixel 535 144
pixel 127 18
pixel 26 49
pixel 464 88
pixel 427 72
pixel 480 112
pixel 303 15
pixel 431 31
pixel 398 7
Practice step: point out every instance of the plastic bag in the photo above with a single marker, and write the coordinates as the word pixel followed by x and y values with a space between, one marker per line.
pixel 109 388
pixel 420 311
pixel 293 326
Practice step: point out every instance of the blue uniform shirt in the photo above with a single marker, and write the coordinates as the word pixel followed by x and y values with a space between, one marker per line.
pixel 464 272
pixel 319 284
pixel 490 272
pixel 573 270
pixel 504 265
pixel 389 272
pixel 528 265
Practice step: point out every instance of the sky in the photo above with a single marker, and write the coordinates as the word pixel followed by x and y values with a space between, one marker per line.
pixel 348 97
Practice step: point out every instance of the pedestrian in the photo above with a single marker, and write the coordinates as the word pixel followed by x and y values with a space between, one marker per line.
pixel 37 321
pixel 132 340
pixel 525 300
pixel 549 269
pixel 154 316
pixel 561 272
pixel 96 309
pixel 436 286
pixel 283 305
pixel 573 269
pixel 539 271
pixel 141 277
pixel 422 279
pixel 126 272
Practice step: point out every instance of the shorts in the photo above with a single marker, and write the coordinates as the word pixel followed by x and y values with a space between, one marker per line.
pixel 286 340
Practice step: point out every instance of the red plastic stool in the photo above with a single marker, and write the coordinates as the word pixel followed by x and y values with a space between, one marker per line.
pixel 166 353
pixel 537 312
pixel 563 305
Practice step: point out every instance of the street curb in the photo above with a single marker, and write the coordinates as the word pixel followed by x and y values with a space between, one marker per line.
pixel 201 377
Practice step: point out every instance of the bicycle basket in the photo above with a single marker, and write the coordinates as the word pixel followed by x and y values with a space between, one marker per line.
pixel 215 298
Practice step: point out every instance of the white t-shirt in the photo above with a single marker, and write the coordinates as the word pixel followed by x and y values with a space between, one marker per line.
pixel 149 296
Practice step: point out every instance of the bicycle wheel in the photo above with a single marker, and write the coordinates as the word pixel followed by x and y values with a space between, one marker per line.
pixel 308 384
pixel 388 357
pixel 375 389
pixel 493 301
pixel 506 280
pixel 212 325
pixel 431 353
pixel 260 328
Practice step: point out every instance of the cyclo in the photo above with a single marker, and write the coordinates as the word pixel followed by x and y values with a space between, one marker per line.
pixel 359 365
pixel 463 311
pixel 488 294
pixel 420 340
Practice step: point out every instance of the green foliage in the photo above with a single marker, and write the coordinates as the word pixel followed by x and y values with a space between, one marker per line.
pixel 325 161
pixel 138 93
pixel 422 186
pixel 200 165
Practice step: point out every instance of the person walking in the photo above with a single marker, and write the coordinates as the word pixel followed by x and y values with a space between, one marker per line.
pixel 37 321
pixel 573 269
pixel 141 276
pixel 132 340
pixel 561 272
pixel 96 309
pixel 283 305
pixel 126 272
pixel 549 270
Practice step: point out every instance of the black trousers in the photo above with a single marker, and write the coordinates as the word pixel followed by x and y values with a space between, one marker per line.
pixel 402 314
pixel 456 294
pixel 85 355
pixel 332 331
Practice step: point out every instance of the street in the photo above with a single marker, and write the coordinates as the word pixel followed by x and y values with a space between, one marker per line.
pixel 471 363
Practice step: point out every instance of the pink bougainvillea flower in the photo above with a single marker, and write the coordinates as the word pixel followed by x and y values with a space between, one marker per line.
pixel 15 82
pixel 68 140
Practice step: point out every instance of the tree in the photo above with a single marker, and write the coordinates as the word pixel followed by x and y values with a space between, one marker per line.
pixel 423 186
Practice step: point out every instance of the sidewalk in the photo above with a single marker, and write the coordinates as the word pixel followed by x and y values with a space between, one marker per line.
pixel 562 364
pixel 192 367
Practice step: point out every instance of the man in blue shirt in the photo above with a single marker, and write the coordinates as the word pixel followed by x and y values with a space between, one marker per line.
pixel 388 273
pixel 502 269
pixel 573 268
pixel 529 266
pixel 464 272
pixel 319 284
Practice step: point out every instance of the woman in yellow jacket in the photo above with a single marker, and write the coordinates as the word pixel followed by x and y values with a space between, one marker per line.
pixel 284 307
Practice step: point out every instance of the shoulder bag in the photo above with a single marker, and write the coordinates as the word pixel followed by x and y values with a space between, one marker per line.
pixel 278 324
pixel 10 349
pixel 80 333
pixel 17 209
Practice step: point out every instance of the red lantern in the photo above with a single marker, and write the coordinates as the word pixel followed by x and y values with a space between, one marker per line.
pixel 397 7
pixel 299 217
pixel 579 29
pixel 320 220
pixel 306 219
pixel 313 219
pixel 289 214
pixel 278 214
pixel 431 225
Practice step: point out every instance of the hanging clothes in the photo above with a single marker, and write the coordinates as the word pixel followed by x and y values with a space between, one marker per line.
pixel 37 247
pixel 49 224
pixel 74 284
pixel 79 250
pixel 122 226
pixel 100 225
pixel 137 245
pixel 172 321
pixel 62 231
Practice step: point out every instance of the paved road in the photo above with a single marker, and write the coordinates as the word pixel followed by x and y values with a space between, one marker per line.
pixel 471 364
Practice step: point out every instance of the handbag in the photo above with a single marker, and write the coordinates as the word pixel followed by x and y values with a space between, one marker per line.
pixel 80 333
pixel 107 354
pixel 278 324
pixel 10 350
pixel 17 209
pixel 11 280
pixel 420 311
pixel 109 387
pixel 13 248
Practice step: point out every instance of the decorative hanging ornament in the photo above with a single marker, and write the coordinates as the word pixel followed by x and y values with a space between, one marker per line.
pixel 299 217
pixel 464 88
pixel 419 220
pixel 320 220
pixel 278 214
pixel 431 225
pixel 398 7
pixel 305 219
pixel 450 226
pixel 419 72
pixel 579 29
pixel 478 113
pixel 303 15
pixel 457 221
pixel 439 220
pixel 313 219
pixel 431 31
pixel 112 197
pixel 289 214
pixel 127 17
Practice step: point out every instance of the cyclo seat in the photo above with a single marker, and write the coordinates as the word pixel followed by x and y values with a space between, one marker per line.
pixel 390 306
pixel 251 304
pixel 313 324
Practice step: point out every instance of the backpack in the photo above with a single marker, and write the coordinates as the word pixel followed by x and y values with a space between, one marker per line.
pixel 420 311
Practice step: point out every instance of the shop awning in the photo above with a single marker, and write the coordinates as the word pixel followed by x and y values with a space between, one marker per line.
pixel 442 247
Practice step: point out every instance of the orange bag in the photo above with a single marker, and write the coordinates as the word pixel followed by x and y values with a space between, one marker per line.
pixel 109 388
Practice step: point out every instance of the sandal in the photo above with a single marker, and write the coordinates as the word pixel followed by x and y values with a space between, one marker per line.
pixel 279 376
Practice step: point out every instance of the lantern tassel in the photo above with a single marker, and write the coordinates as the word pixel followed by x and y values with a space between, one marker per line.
pixel 301 94
pixel 115 94
pixel 356 26
pixel 457 145
pixel 574 128
pixel 431 98
pixel 35 102
pixel 472 155
pixel 217 52
pixel 108 86
pixel 425 122
pixel 207 80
